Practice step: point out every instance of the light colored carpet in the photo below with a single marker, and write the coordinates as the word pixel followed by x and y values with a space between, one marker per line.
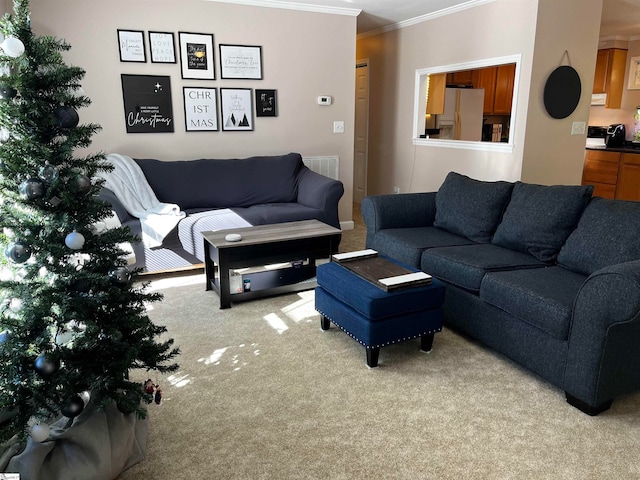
pixel 263 393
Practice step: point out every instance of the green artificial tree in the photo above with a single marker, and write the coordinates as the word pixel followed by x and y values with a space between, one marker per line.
pixel 73 319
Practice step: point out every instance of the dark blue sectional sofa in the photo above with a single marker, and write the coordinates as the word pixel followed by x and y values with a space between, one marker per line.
pixel 262 190
pixel 546 275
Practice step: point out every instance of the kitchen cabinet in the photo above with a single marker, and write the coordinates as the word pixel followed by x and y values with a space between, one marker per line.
pixel 628 187
pixel 435 93
pixel 498 88
pixel 611 64
pixel 486 79
pixel 601 170
pixel 463 78
pixel 505 76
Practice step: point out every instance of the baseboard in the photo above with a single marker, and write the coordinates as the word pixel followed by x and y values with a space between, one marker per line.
pixel 347 225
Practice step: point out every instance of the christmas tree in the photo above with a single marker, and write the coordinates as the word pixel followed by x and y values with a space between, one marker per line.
pixel 73 318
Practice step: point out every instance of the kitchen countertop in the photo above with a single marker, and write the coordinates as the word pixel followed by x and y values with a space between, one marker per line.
pixel 628 147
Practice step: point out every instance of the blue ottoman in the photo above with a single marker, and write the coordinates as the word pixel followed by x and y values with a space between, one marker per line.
pixel 374 317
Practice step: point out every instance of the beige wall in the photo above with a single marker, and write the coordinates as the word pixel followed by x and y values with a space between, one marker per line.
pixel 500 28
pixel 304 55
pixel 552 154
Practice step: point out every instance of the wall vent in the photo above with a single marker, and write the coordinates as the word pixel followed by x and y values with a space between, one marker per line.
pixel 327 166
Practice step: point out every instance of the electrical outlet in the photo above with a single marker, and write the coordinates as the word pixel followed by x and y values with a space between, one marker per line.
pixel 577 128
pixel 396 189
pixel 338 127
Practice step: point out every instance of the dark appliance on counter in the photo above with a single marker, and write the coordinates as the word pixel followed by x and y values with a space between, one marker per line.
pixel 615 135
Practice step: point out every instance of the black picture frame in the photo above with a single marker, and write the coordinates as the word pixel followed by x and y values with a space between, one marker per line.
pixel 162 47
pixel 197 56
pixel 266 103
pixel 240 62
pixel 147 103
pixel 200 109
pixel 131 46
pixel 236 105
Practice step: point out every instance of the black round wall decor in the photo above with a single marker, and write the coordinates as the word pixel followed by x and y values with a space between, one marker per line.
pixel 562 92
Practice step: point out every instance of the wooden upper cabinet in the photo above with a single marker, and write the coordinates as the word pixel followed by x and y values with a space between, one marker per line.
pixel 462 77
pixel 486 78
pixel 436 92
pixel 600 81
pixel 611 64
pixel 505 76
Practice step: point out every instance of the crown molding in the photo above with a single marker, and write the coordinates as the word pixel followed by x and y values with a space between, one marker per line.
pixel 353 12
pixel 621 38
pixel 425 18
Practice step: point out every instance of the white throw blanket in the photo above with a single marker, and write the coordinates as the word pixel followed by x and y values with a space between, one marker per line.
pixel 130 185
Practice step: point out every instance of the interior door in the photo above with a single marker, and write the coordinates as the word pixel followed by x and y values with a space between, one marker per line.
pixel 360 153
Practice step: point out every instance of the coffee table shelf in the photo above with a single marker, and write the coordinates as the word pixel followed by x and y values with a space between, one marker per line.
pixel 307 240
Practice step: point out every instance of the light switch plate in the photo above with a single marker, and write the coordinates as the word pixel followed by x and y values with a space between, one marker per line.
pixel 338 127
pixel 578 128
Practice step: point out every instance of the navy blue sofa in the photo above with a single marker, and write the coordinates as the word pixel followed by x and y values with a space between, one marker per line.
pixel 262 190
pixel 546 275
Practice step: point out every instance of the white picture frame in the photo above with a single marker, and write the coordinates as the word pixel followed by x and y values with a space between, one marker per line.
pixel 634 74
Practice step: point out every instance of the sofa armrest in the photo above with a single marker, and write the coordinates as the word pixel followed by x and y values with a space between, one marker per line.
pixel 398 211
pixel 116 205
pixel 322 193
pixel 603 360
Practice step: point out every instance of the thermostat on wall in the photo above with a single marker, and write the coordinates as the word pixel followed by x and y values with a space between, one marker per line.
pixel 324 100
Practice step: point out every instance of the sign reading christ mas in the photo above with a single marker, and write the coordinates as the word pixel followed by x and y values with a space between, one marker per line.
pixel 147 103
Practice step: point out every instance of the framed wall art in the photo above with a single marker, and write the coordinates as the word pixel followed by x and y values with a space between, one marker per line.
pixel 196 56
pixel 237 109
pixel 241 61
pixel 162 47
pixel 131 46
pixel 266 103
pixel 634 74
pixel 147 103
pixel 200 109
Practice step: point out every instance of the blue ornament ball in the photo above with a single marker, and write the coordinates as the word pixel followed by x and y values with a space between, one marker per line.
pixel 32 189
pixel 46 365
pixel 17 252
pixel 66 117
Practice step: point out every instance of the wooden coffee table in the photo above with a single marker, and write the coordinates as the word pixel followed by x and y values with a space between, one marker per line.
pixel 298 243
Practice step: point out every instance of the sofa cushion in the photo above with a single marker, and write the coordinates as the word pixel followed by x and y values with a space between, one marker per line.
pixel 540 218
pixel 542 297
pixel 471 208
pixel 407 244
pixel 212 183
pixel 465 266
pixel 607 234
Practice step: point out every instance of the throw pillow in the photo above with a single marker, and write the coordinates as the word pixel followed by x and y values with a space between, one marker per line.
pixel 607 234
pixel 471 208
pixel 540 218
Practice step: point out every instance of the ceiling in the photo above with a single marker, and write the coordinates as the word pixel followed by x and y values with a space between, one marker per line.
pixel 619 17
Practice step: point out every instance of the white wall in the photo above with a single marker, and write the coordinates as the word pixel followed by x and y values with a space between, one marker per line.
pixel 305 54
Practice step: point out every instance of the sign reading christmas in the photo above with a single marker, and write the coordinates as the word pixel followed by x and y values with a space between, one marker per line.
pixel 147 103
